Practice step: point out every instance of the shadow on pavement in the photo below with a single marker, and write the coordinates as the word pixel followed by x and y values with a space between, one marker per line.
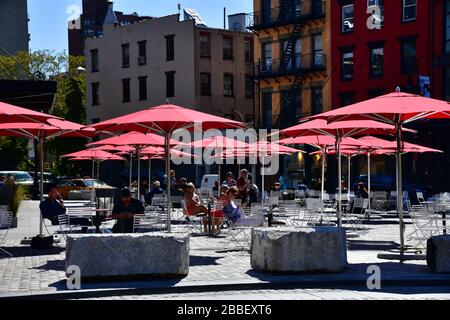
pixel 203 261
pixel 371 245
pixel 20 252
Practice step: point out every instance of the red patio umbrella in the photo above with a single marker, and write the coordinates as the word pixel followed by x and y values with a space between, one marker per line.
pixel 13 114
pixel 43 131
pixel 338 130
pixel 166 119
pixel 139 141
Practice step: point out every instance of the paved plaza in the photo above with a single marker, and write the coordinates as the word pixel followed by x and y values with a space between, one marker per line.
pixel 216 272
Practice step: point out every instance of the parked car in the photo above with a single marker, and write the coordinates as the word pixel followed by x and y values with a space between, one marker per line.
pixel 20 177
pixel 66 187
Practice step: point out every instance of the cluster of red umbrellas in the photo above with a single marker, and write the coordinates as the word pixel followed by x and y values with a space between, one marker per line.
pixel 394 109
pixel 154 127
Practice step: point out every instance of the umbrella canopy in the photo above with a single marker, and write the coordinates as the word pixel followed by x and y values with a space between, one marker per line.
pixel 90 154
pixel 125 149
pixel 320 141
pixel 136 139
pixel 220 142
pixel 340 129
pixel 11 113
pixel 397 107
pixel 166 119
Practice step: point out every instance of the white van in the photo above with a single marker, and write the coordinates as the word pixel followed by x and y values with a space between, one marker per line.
pixel 209 180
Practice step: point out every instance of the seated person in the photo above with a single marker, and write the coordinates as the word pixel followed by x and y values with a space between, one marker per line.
pixel 302 187
pixel 229 180
pixel 156 189
pixel 53 206
pixel 193 205
pixel 253 192
pixel 234 213
pixel 361 191
pixel 123 212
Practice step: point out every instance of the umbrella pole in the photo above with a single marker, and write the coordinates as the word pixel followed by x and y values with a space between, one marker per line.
pixel 169 209
pixel 400 189
pixel 139 174
pixel 92 177
pixel 339 214
pixel 220 182
pixel 369 182
pixel 349 183
pixel 149 172
pixel 262 181
pixel 131 169
pixel 322 187
pixel 41 182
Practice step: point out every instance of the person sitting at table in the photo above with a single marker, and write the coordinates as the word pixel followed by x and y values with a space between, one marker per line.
pixel 361 191
pixel 124 210
pixel 233 212
pixel 242 187
pixel 53 206
pixel 193 206
pixel 229 180
pixel 156 189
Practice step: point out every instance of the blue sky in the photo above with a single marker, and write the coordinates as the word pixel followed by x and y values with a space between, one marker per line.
pixel 48 24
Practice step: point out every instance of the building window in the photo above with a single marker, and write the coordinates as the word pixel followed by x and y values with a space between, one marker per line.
pixel 376 61
pixel 126 90
pixel 170 47
pixel 266 56
pixel 318 56
pixel 95 93
pixel 408 56
pixel 205 45
pixel 291 111
pixel 205 84
pixel 316 100
pixel 374 93
pixel 227 48
pixel 249 86
pixel 447 28
pixel 267 109
pixel 125 55
pixel 248 50
pixel 142 88
pixel 142 48
pixel 347 98
pixel 228 85
pixel 170 84
pixel 94 60
pixel 409 10
pixel 447 84
pixel 347 65
pixel 347 18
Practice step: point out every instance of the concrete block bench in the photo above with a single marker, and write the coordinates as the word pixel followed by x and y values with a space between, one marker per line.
pixel 438 254
pixel 298 250
pixel 129 255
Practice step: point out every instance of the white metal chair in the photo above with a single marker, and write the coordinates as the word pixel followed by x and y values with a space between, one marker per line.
pixel 421 198
pixel 379 200
pixel 194 223
pixel 64 225
pixel 238 237
pixel 5 225
pixel 424 225
pixel 354 220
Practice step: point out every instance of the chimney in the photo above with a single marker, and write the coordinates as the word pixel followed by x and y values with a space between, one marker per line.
pixel 110 15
